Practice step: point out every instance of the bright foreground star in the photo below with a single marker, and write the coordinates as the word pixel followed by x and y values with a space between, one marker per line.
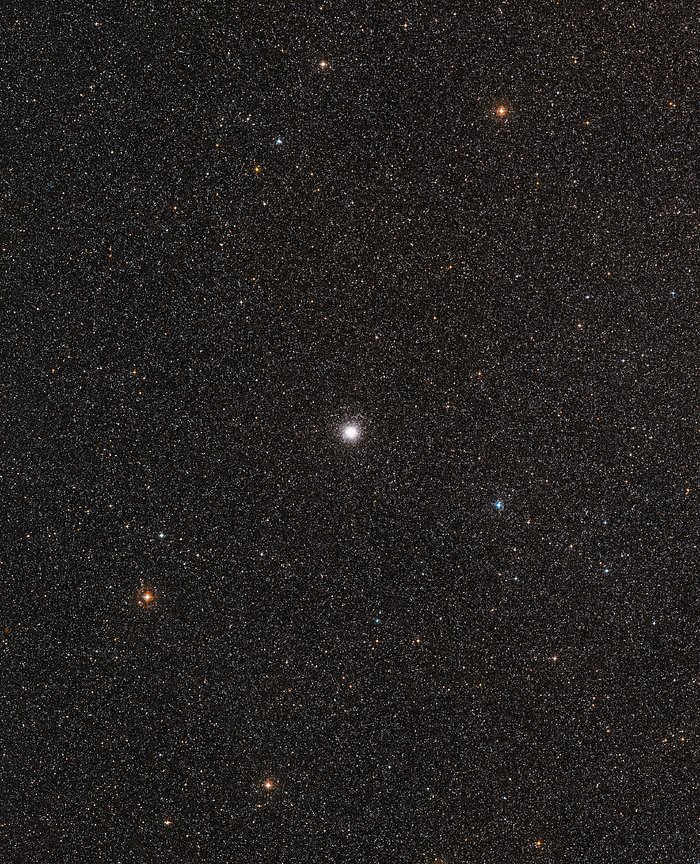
pixel 145 597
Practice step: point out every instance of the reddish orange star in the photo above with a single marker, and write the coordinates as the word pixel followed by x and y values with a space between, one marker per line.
pixel 146 597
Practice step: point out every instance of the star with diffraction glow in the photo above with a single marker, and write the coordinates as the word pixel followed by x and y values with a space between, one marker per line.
pixel 145 598
pixel 500 111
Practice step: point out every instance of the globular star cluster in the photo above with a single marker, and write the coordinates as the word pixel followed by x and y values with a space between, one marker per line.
pixel 349 428
pixel 351 432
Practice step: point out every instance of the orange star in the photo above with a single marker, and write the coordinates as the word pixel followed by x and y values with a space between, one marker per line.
pixel 146 597
pixel 500 111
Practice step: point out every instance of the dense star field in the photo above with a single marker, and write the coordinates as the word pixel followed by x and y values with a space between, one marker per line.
pixel 349 433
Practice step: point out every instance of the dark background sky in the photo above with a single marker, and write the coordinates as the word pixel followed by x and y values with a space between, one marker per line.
pixel 229 634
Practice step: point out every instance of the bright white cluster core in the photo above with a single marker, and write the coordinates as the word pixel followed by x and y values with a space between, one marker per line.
pixel 351 432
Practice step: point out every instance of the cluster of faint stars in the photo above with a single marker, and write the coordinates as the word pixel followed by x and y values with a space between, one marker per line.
pixel 351 432
pixel 351 436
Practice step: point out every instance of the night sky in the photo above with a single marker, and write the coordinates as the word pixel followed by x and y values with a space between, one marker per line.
pixel 349 433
